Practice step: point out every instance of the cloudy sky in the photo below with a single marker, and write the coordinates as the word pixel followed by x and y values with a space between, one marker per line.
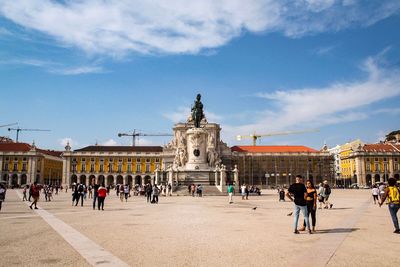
pixel 87 70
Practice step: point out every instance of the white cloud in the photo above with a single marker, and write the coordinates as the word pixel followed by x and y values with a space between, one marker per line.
pixel 116 27
pixel 315 107
pixel 320 51
pixel 77 70
pixel 110 142
pixel 64 141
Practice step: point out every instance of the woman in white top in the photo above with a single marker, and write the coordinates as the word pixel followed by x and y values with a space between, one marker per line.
pixel 375 193
pixel 243 191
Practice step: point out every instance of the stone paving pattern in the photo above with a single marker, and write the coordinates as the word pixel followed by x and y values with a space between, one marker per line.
pixel 187 231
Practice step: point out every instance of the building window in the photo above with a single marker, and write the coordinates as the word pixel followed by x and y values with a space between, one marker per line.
pixel 137 160
pixel 376 159
pixel 119 168
pixel 92 159
pixel 119 160
pixel 385 167
pixel 101 168
pixel 384 159
pixel 15 167
pixel 138 168
pixel 110 160
pixel 147 160
pixel 377 167
pixel 157 160
pixel 6 166
pixel 129 168
pixel 74 167
pixel 92 167
pixel 147 167
pixel 368 167
pixel 129 160
pixel 24 167
pixel 83 167
pixel 83 160
pixel 110 168
pixel 396 166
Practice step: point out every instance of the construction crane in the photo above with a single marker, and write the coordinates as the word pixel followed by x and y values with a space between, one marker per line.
pixel 11 124
pixel 255 136
pixel 21 129
pixel 135 134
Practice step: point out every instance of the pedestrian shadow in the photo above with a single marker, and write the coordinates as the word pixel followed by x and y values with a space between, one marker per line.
pixel 341 208
pixel 337 230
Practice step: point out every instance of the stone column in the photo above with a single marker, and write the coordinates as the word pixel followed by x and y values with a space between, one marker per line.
pixel 156 173
pixel 216 176
pixel 126 180
pixel 170 175
pixel 19 179
pixel 114 181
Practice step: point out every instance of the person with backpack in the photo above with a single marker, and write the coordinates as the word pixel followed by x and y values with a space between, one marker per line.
pixel 392 193
pixel 79 191
pixel 326 193
pixel 102 193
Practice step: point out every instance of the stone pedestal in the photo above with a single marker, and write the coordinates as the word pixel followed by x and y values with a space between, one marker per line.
pixel 197 149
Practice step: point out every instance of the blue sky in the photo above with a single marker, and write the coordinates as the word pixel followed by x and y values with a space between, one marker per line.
pixel 90 69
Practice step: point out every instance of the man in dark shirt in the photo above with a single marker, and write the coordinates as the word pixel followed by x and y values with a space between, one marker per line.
pixel 95 193
pixel 299 192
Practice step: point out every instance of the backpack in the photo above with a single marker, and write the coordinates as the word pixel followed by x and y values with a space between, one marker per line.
pixel 80 188
pixel 328 190
pixel 393 195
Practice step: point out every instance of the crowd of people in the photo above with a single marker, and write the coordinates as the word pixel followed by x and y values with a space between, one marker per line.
pixel 305 196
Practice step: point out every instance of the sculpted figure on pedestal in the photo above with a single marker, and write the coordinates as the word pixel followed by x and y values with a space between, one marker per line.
pixel 197 111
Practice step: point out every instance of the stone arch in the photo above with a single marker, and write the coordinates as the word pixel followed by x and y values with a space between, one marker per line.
pixel 385 177
pixel 92 179
pixel 120 179
pixel 138 180
pixel 24 179
pixel 368 179
pixel 14 179
pixel 110 179
pixel 377 178
pixel 129 179
pixel 74 179
pixel 6 177
pixel 147 179
pixel 83 179
pixel 101 179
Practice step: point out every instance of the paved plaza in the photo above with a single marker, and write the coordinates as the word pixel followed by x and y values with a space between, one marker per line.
pixel 187 231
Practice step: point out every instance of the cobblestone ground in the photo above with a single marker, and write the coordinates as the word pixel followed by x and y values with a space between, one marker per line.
pixel 187 231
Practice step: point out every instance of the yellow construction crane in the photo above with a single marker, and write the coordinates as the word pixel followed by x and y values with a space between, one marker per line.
pixel 255 136
pixel 135 134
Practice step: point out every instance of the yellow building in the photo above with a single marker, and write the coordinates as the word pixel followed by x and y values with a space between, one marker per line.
pixel 22 163
pixel 347 163
pixel 112 164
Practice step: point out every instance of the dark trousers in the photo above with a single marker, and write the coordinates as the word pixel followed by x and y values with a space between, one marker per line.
pixel 1 202
pixel 79 196
pixel 148 197
pixel 100 202
pixel 29 198
pixel 393 209
pixel 155 199
pixel 95 197
pixel 312 211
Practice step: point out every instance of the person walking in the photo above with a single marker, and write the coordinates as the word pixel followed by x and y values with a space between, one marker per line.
pixel 156 192
pixel 299 192
pixel 327 192
pixel 24 193
pixel 193 189
pixel 381 190
pixel 230 193
pixel 35 195
pixel 30 193
pixel 121 192
pixel 148 191
pixel 320 195
pixel 101 195
pixel 311 202
pixel 96 187
pixel 2 194
pixel 169 190
pixel 375 194
pixel 126 192
pixel 392 192
pixel 243 191
pixel 79 194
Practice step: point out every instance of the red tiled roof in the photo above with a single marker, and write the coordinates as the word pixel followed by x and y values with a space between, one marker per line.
pixel 15 147
pixel 120 149
pixel 380 148
pixel 50 152
pixel 273 149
